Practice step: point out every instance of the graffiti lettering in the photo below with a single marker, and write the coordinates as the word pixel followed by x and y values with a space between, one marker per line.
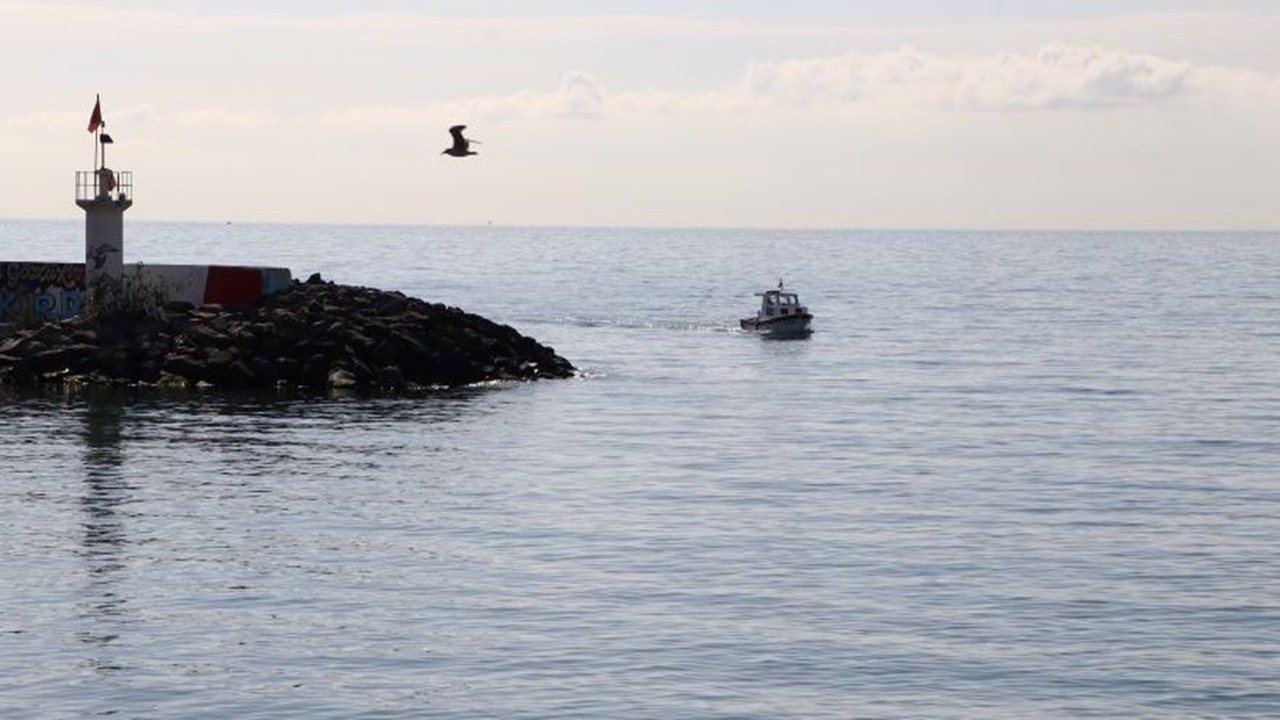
pixel 45 291
pixel 67 275
pixel 10 305
pixel 55 303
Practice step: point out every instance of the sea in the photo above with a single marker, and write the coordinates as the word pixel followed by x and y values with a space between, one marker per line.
pixel 1009 475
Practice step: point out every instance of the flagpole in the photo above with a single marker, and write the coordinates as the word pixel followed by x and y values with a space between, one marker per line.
pixel 95 127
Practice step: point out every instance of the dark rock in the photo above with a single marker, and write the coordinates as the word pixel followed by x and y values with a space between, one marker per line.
pixel 238 374
pixel 207 335
pixel 289 327
pixel 116 361
pixel 263 370
pixel 185 366
pixel 391 377
pixel 393 305
pixel 317 334
pixel 54 358
pixel 220 358
pixel 85 335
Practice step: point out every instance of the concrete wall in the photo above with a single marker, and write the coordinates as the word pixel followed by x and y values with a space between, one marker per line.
pixel 31 291
pixel 224 284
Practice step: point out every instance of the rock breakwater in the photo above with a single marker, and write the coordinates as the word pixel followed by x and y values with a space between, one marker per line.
pixel 315 334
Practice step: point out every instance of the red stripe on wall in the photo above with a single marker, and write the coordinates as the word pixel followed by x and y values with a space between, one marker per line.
pixel 233 285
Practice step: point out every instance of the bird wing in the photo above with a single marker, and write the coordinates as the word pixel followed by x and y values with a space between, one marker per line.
pixel 458 140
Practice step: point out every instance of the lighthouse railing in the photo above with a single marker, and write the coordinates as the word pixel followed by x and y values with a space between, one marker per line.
pixel 104 184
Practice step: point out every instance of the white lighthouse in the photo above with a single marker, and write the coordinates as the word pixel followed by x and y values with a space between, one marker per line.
pixel 104 194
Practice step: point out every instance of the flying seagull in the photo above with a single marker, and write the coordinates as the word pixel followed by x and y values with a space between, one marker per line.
pixel 461 146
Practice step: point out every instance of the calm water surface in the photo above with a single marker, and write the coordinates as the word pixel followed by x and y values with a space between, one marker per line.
pixel 1010 475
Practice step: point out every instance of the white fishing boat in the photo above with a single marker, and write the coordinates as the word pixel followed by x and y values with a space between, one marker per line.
pixel 781 314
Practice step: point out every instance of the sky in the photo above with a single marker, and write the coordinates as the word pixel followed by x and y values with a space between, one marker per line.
pixel 915 114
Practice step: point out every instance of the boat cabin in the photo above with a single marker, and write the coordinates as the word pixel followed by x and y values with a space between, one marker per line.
pixel 776 303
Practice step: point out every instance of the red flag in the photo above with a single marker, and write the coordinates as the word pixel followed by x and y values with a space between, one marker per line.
pixel 95 120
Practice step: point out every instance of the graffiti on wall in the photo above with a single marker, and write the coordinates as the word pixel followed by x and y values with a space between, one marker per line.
pixel 35 291
pixel 40 291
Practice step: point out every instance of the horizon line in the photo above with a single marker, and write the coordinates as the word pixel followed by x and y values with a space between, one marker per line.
pixel 681 226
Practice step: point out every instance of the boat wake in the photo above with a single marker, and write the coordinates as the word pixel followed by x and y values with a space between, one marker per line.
pixel 641 323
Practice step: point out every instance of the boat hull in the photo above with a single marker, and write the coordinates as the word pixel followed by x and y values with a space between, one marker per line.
pixel 790 325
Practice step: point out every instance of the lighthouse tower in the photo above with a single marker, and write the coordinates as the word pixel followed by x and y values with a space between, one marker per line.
pixel 104 194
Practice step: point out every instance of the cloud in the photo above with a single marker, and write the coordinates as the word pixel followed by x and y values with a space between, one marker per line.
pixel 580 96
pixel 1058 76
